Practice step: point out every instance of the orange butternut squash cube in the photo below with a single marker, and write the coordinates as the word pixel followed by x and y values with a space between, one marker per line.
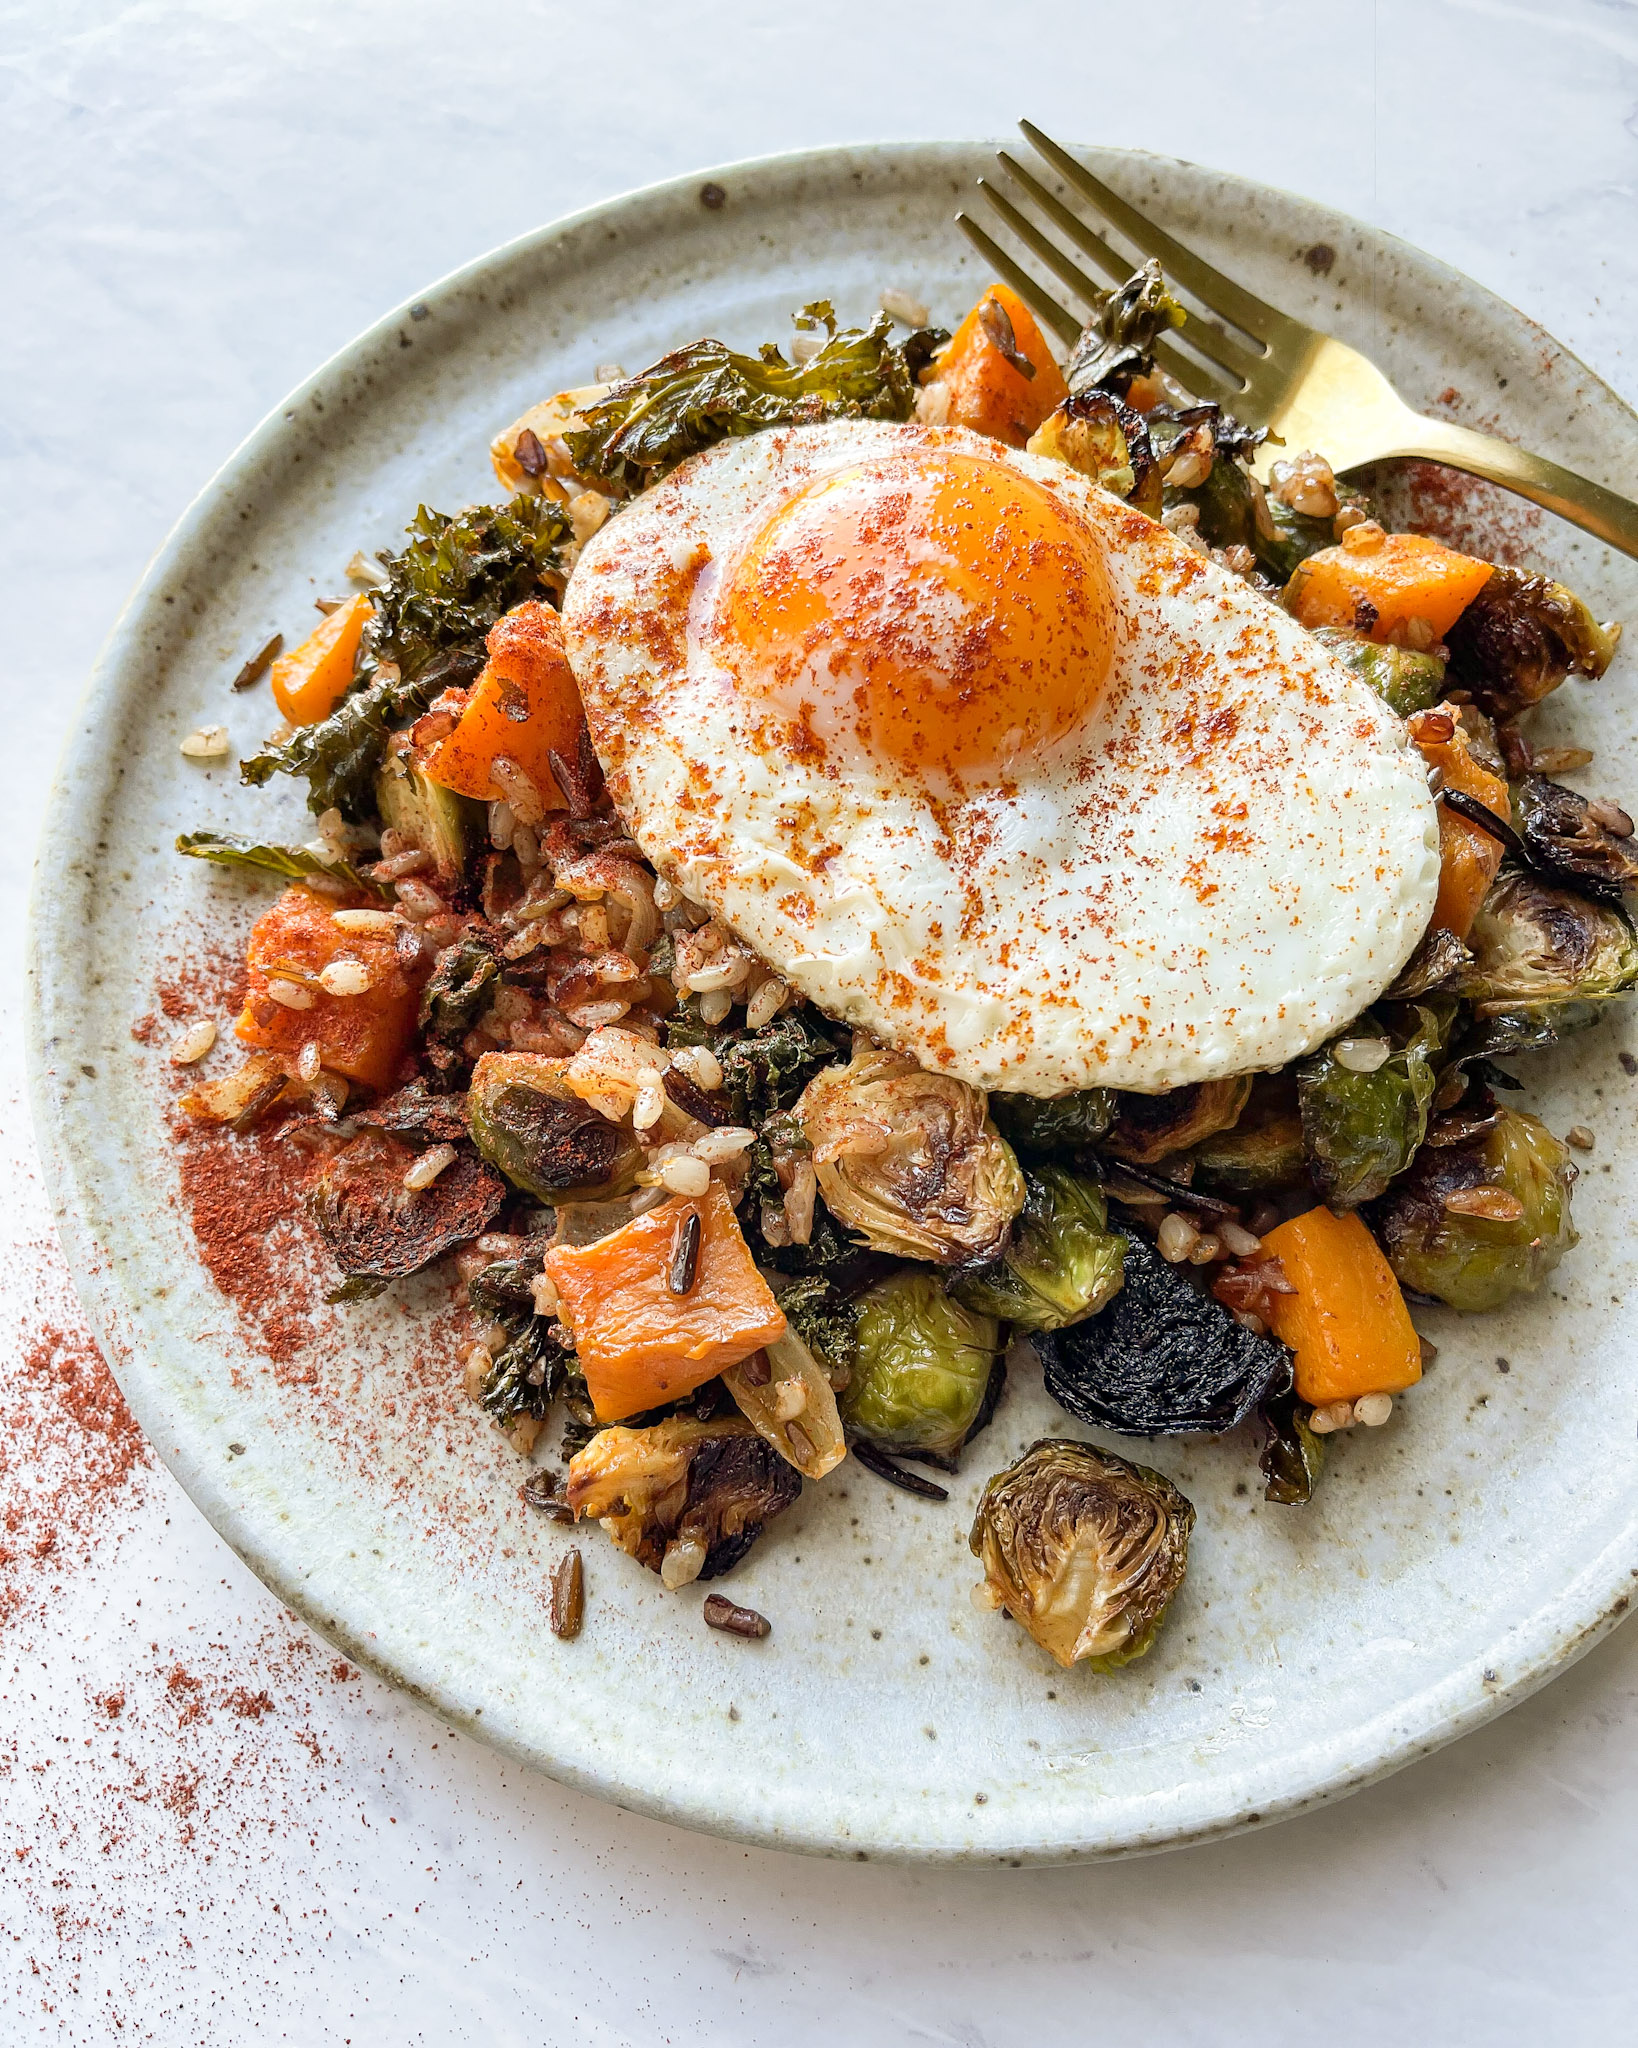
pixel 1377 591
pixel 1347 1322
pixel 311 680
pixel 524 707
pixel 979 368
pixel 362 1036
pixel 639 1342
pixel 1469 856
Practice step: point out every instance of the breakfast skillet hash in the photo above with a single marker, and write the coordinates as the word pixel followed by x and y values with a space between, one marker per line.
pixel 867 854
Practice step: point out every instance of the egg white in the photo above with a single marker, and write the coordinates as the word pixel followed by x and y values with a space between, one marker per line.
pixel 1227 862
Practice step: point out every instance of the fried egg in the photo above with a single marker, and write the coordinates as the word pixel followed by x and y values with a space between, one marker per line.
pixel 994 767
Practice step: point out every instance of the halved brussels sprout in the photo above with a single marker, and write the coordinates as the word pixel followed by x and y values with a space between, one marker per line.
pixel 1520 637
pixel 684 1497
pixel 1437 962
pixel 1264 1149
pixel 1570 846
pixel 377 1227
pixel 528 1121
pixel 1163 1359
pixel 1083 1550
pixel 1149 1128
pixel 909 1159
pixel 1063 1263
pixel 1100 436
pixel 1405 682
pixel 1297 535
pixel 1225 501
pixel 1469 1259
pixel 1033 1124
pixel 1534 944
pixel 922 1370
pixel 1360 1129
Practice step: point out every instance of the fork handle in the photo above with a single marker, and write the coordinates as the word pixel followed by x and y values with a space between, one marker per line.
pixel 1602 512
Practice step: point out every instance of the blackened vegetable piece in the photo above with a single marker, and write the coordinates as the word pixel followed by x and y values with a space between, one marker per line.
pixel 1405 681
pixel 1479 1221
pixel 462 985
pixel 707 392
pixel 529 1372
pixel 1436 964
pixel 1163 1359
pixel 1084 1550
pixel 1117 343
pixel 1569 846
pixel 922 1370
pixel 1360 1129
pixel 1101 437
pixel 1038 1124
pixel 1263 1149
pixel 686 1498
pixel 1535 945
pixel 1062 1262
pixel 374 1225
pixel 528 1121
pixel 1148 1128
pixel 1292 1455
pixel 1520 637
pixel 415 1111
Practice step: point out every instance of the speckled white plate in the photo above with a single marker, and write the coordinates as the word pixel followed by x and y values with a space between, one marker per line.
pixel 1454 1560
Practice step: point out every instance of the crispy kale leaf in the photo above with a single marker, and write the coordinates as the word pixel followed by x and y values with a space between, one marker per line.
pixel 1117 343
pixel 824 1318
pixel 537 1360
pixel 294 863
pixel 763 1071
pixel 706 392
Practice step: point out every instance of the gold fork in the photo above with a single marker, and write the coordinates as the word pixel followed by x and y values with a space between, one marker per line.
pixel 1310 389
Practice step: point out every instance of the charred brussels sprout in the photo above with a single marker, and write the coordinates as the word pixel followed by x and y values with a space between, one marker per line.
pixel 377 1227
pixel 1535 946
pixel 461 986
pixel 1033 1124
pixel 1100 436
pixel 1163 1359
pixel 1083 1550
pixel 1149 1128
pixel 1406 682
pixel 1477 1222
pixel 1360 1129
pixel 1569 845
pixel 1225 500
pixel 909 1159
pixel 1118 341
pixel 684 1497
pixel 1064 1263
pixel 922 1368
pixel 1520 637
pixel 1292 1455
pixel 1264 1149
pixel 528 1121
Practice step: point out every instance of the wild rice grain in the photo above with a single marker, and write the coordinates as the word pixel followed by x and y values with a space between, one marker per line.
pixel 198 1039
pixel 258 664
pixel 209 743
pixel 427 1168
pixel 733 1620
pixel 568 1597
pixel 1611 816
pixel 685 1260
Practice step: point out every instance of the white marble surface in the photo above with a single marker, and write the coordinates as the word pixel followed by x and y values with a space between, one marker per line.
pixel 202 201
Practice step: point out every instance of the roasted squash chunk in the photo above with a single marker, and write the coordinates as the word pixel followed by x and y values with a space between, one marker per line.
pixel 1347 1322
pixel 1469 856
pixel 311 680
pixel 999 373
pixel 524 708
pixel 640 1343
pixel 1379 590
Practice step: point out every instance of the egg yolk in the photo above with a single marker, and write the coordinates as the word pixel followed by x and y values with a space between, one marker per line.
pixel 943 611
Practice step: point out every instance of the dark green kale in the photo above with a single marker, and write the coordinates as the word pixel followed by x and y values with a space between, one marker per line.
pixel 461 987
pixel 294 863
pixel 459 575
pixel 528 1373
pixel 763 1071
pixel 707 392
pixel 824 1318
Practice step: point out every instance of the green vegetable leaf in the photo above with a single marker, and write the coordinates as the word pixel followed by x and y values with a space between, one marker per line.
pixel 1362 1129
pixel 459 575
pixel 1293 1456
pixel 1118 341
pixel 824 1318
pixel 294 863
pixel 707 392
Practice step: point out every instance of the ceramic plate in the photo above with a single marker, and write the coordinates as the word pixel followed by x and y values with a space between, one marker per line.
pixel 1453 1561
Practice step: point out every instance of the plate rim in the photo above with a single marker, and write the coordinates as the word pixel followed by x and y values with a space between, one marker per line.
pixel 1538 1644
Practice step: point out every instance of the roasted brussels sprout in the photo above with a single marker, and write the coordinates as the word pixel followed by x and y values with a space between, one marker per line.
pixel 1033 1124
pixel 1264 1149
pixel 1570 846
pixel 1405 681
pixel 1149 1128
pixel 1482 1220
pixel 1535 945
pixel 1117 342
pixel 1292 1455
pixel 1103 438
pixel 1163 1359
pixel 923 1368
pixel 1436 964
pixel 1062 1264
pixel 1083 1550
pixel 1520 637
pixel 1296 535
pixel 376 1226
pixel 528 1121
pixel 909 1159
pixel 684 1497
pixel 1360 1129
pixel 1225 500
